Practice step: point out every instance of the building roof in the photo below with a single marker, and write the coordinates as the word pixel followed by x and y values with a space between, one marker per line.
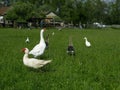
pixel 3 10
pixel 51 15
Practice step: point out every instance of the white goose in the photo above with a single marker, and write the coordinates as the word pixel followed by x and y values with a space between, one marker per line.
pixel 40 47
pixel 87 43
pixel 32 62
pixel 27 40
pixel 53 33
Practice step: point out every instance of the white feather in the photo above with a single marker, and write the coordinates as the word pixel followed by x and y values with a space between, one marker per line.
pixel 40 47
pixel 27 40
pixel 87 43
pixel 53 33
pixel 32 62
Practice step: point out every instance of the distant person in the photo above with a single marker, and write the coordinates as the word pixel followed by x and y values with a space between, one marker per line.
pixel 29 25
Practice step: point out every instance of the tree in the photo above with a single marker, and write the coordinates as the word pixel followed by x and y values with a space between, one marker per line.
pixel 115 12
pixel 100 8
pixel 88 10
pixel 20 12
pixel 69 10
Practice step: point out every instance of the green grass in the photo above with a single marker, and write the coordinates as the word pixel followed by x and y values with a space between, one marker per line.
pixel 94 68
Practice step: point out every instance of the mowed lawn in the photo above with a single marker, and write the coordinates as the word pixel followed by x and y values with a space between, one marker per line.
pixel 94 68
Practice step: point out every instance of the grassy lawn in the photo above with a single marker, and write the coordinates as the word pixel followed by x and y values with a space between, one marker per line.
pixel 94 68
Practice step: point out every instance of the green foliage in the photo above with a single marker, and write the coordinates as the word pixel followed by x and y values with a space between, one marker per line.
pixel 20 11
pixel 56 18
pixel 11 15
pixel 115 13
pixel 84 11
pixel 66 13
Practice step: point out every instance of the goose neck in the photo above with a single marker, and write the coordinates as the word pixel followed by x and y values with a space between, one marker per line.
pixel 86 39
pixel 41 36
pixel 25 56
